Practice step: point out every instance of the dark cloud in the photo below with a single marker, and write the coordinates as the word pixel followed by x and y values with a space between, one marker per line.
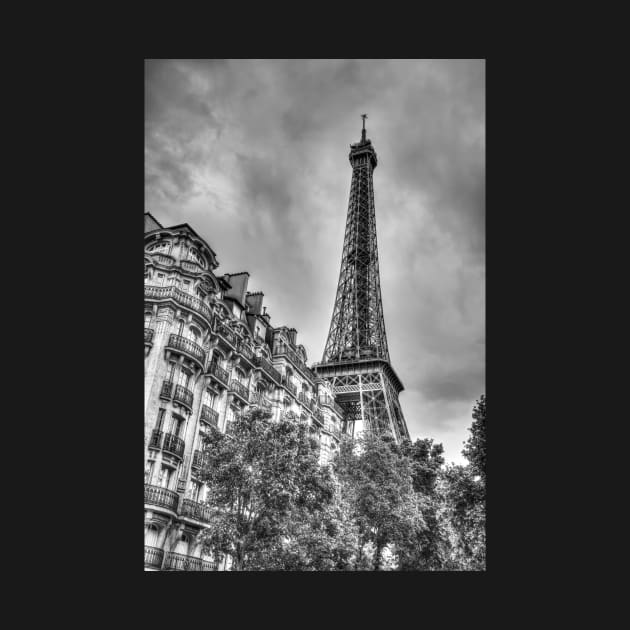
pixel 254 155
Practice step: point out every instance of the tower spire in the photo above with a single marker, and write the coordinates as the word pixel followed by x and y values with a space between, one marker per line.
pixel 356 357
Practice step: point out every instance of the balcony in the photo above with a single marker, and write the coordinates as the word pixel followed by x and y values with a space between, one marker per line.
pixel 330 402
pixel 240 390
pixel 260 400
pixel 156 439
pixel 188 347
pixel 292 388
pixel 148 336
pixel 197 461
pixel 198 511
pixel 219 374
pixel 167 390
pixel 173 445
pixel 267 368
pixel 228 335
pixel 164 259
pixel 190 266
pixel 180 562
pixel 183 396
pixel 181 297
pixel 153 557
pixel 167 442
pixel 292 355
pixel 162 497
pixel 209 415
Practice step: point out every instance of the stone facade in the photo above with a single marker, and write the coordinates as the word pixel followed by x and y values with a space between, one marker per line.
pixel 210 354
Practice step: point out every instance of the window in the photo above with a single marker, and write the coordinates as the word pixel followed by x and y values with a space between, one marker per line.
pixel 182 545
pixel 204 429
pixel 184 378
pixel 170 371
pixel 165 476
pixel 160 279
pixel 148 469
pixel 160 419
pixel 208 398
pixel 177 425
pixel 147 320
pixel 194 334
pixel 151 536
pixel 193 491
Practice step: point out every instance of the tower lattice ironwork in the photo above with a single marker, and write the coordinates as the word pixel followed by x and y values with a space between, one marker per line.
pixel 356 357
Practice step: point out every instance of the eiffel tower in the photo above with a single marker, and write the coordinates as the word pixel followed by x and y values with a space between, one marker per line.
pixel 356 358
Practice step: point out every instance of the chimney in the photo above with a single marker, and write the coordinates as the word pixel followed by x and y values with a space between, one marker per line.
pixel 239 286
pixel 254 302
pixel 292 335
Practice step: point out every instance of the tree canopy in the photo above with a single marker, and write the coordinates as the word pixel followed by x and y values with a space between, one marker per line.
pixel 378 506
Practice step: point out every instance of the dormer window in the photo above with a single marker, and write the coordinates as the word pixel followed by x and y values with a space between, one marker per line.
pixel 159 247
pixel 196 257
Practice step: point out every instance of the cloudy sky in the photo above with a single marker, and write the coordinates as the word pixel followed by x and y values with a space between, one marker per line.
pixel 254 156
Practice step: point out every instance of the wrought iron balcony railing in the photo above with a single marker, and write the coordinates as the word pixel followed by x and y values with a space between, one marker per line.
pixel 148 335
pixel 209 415
pixel 240 390
pixel 177 342
pixel 197 461
pixel 180 562
pixel 173 444
pixel 167 390
pixel 219 373
pixel 198 511
pixel 167 442
pixel 153 557
pixel 246 350
pixel 181 297
pixel 156 439
pixel 226 333
pixel 267 368
pixel 162 497
pixel 183 396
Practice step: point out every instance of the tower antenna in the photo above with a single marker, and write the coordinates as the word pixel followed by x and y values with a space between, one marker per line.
pixel 364 116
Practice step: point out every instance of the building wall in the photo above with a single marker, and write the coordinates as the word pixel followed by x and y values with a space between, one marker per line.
pixel 193 325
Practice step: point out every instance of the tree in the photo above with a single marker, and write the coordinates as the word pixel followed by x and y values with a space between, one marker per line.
pixel 475 447
pixel 465 491
pixel 376 481
pixel 430 547
pixel 260 476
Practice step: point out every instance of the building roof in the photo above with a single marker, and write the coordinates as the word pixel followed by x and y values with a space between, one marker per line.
pixel 150 223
